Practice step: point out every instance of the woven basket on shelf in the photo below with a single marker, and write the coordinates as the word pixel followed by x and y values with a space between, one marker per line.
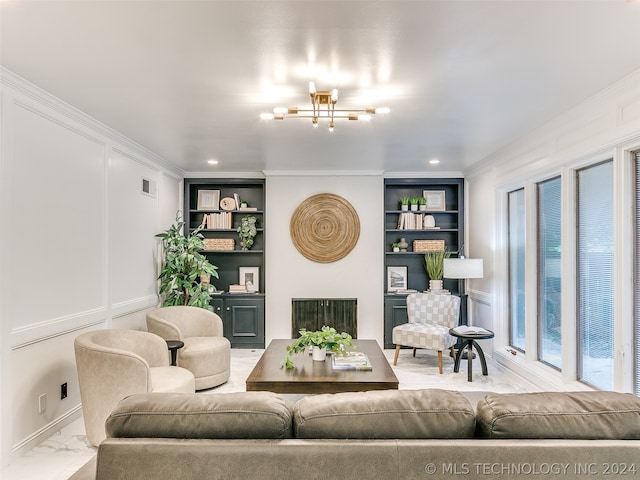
pixel 428 245
pixel 219 244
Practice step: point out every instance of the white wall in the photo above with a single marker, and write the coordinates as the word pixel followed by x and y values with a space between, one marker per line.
pixel 291 275
pixel 604 126
pixel 77 252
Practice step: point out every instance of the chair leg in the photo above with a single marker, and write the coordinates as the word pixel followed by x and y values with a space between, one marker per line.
pixel 395 357
pixel 414 352
pixel 440 361
pixel 453 352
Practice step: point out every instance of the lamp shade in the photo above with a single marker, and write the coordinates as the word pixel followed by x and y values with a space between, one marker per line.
pixel 463 268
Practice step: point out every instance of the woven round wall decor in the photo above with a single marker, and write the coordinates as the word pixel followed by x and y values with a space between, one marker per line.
pixel 325 228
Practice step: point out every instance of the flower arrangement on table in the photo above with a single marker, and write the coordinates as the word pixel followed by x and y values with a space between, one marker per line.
pixel 327 338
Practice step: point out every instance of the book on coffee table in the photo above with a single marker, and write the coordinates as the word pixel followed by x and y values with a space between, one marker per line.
pixel 351 361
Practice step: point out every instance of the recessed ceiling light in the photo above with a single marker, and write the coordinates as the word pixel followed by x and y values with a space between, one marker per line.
pixel 212 162
pixel 435 161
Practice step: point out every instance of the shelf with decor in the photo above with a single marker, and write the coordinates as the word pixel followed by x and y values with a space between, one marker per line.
pixel 214 202
pixel 440 225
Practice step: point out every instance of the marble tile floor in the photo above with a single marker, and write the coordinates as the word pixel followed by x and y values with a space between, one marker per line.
pixel 63 453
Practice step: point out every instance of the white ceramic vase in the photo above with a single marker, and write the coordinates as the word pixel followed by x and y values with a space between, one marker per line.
pixel 319 354
pixel 435 285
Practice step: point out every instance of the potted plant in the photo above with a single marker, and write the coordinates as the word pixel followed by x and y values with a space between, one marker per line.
pixel 243 203
pixel 422 203
pixel 183 265
pixel 404 203
pixel 395 247
pixel 247 231
pixel 414 203
pixel 327 339
pixel 434 265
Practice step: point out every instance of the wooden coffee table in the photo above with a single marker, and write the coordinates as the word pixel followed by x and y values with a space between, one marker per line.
pixel 319 377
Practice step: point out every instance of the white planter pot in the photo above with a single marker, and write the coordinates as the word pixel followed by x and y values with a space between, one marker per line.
pixel 422 207
pixel 404 207
pixel 435 285
pixel 414 208
pixel 319 354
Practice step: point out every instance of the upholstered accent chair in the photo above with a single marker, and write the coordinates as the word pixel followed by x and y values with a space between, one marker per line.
pixel 430 318
pixel 206 352
pixel 113 364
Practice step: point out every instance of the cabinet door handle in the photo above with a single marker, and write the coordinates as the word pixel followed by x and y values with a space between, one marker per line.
pixel 228 308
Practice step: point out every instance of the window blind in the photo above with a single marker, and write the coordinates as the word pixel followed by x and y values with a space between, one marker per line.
pixel 549 256
pixel 636 332
pixel 516 269
pixel 595 275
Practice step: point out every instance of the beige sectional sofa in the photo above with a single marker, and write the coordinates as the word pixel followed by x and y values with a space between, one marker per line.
pixel 419 434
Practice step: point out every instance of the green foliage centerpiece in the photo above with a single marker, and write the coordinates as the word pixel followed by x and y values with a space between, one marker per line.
pixel 183 264
pixel 434 265
pixel 327 338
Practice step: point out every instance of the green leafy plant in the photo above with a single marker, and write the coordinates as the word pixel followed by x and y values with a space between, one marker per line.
pixel 404 200
pixel 414 200
pixel 434 263
pixel 395 245
pixel 327 338
pixel 182 267
pixel 422 201
pixel 247 231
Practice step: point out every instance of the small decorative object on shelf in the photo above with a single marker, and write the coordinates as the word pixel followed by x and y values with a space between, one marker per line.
pixel 429 221
pixel 404 203
pixel 247 231
pixel 403 244
pixel 414 203
pixel 395 247
pixel 422 203
pixel 327 338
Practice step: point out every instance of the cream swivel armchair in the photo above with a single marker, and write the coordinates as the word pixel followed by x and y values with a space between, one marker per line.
pixel 430 318
pixel 206 352
pixel 113 364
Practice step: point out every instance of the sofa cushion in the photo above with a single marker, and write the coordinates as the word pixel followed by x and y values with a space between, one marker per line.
pixel 226 415
pixel 566 415
pixel 385 414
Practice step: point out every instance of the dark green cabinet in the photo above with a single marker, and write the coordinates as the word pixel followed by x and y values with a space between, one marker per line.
pixel 449 229
pixel 211 198
pixel 243 319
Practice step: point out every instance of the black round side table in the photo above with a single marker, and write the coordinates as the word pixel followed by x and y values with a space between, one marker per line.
pixel 469 340
pixel 173 346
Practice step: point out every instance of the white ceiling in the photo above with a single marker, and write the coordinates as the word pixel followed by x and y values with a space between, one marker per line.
pixel 188 79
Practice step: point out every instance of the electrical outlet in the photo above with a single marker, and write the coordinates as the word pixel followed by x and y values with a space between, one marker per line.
pixel 42 403
pixel 63 391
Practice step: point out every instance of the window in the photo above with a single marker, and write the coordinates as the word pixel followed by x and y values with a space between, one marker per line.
pixel 549 320
pixel 516 231
pixel 595 275
pixel 637 278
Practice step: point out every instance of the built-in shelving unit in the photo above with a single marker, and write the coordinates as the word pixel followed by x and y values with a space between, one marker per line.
pixel 449 220
pixel 241 313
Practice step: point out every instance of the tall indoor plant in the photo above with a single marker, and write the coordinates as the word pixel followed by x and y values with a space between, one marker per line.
pixel 182 266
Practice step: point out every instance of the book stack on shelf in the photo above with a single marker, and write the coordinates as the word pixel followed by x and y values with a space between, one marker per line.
pixel 351 361
pixel 413 221
pixel 237 289
pixel 217 221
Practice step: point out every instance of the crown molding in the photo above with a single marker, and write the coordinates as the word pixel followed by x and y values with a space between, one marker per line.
pixel 31 91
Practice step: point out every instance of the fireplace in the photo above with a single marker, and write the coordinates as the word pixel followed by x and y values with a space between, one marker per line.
pixel 314 313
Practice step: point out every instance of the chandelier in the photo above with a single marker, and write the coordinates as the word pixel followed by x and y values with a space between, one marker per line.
pixel 323 106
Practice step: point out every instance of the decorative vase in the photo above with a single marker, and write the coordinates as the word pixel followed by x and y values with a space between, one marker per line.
pixel 429 221
pixel 435 285
pixel 319 354
pixel 414 207
pixel 403 244
pixel 396 249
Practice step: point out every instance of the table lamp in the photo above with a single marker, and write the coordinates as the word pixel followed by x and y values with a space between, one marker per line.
pixel 462 268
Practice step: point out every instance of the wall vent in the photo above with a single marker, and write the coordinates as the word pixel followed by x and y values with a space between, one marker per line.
pixel 149 187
